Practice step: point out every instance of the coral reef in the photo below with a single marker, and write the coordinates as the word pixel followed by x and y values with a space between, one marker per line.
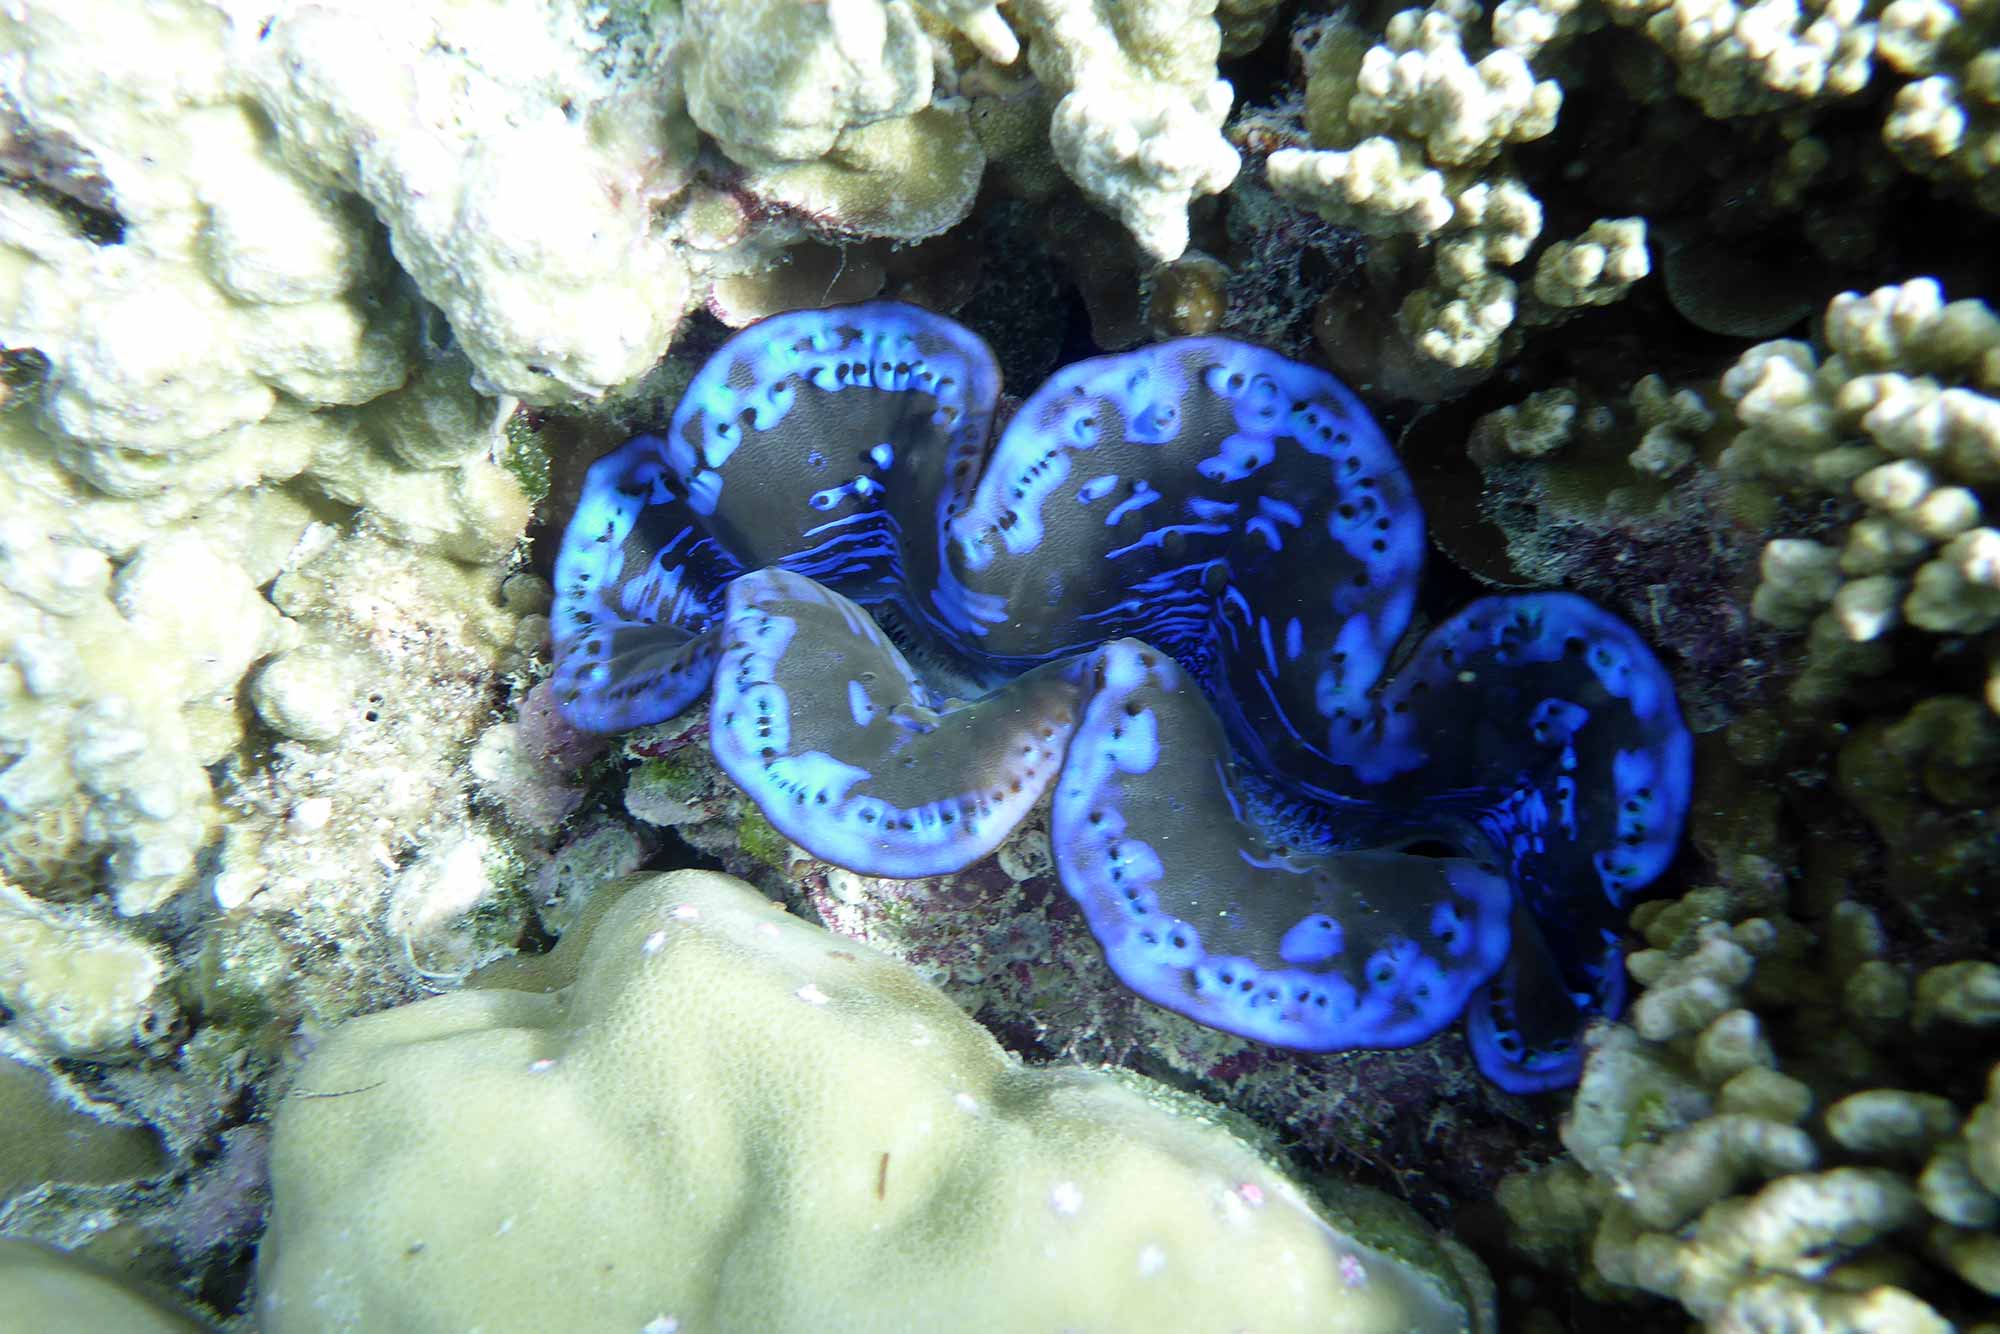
pixel 1409 139
pixel 1457 134
pixel 53 1136
pixel 1138 117
pixel 314 312
pixel 267 313
pixel 1748 1146
pixel 265 305
pixel 824 1110
pixel 293 239
pixel 1900 418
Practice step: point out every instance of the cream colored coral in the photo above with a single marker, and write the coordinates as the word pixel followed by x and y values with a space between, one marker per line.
pixel 1982 1136
pixel 237 282
pixel 1411 137
pixel 516 158
pixel 983 24
pixel 1381 186
pixel 831 108
pixel 120 696
pixel 1459 317
pixel 771 81
pixel 52 1289
pixel 1946 123
pixel 812 97
pixel 1902 415
pixel 1736 59
pixel 1911 34
pixel 905 178
pixel 1780 1302
pixel 1685 992
pixel 1707 1179
pixel 1681 1175
pixel 1538 425
pixel 1419 84
pixel 400 646
pixel 833 1146
pixel 1460 325
pixel 1787 1228
pixel 238 392
pixel 1891 1121
pixel 1671 422
pixel 1596 268
pixel 1526 26
pixel 1138 123
pixel 76 987
pixel 1962 993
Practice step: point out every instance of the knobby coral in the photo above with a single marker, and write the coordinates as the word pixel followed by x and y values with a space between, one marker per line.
pixel 1267 831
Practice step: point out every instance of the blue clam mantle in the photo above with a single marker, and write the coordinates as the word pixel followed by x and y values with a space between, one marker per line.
pixel 1168 599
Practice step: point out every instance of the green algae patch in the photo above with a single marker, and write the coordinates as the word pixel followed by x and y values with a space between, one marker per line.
pixel 759 839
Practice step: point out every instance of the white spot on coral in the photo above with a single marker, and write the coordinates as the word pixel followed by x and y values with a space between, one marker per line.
pixel 661 1324
pixel 654 944
pixel 811 994
pixel 312 813
pixel 1066 1199
pixel 768 930
pixel 506 1226
pixel 966 1103
pixel 1152 1261
pixel 685 912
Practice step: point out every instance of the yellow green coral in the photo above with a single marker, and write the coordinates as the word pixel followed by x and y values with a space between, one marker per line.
pixel 730 1119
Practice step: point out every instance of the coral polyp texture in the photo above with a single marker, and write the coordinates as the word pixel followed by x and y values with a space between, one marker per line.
pixel 1168 599
pixel 834 1146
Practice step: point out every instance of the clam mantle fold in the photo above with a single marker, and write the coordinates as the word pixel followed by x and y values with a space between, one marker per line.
pixel 1168 598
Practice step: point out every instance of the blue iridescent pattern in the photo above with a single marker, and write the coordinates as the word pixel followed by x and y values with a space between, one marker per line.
pixel 1168 600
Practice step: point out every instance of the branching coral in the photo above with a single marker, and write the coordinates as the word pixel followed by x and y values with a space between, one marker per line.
pixel 1124 97
pixel 1901 417
pixel 1735 59
pixel 1735 1149
pixel 1410 141
pixel 1413 134
pixel 1946 122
